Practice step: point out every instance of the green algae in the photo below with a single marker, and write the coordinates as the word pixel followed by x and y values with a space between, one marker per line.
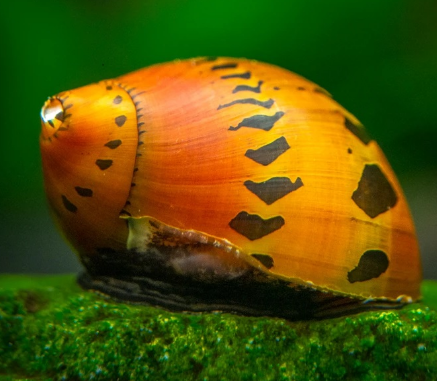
pixel 50 329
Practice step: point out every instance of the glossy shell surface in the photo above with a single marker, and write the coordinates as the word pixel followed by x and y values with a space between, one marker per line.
pixel 237 151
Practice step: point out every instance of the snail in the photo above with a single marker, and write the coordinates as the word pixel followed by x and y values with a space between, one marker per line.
pixel 231 185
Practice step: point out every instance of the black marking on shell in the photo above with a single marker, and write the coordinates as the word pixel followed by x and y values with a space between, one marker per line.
pixel 60 116
pixel 358 130
pixel 204 60
pixel 69 205
pixel 273 189
pixel 371 265
pixel 374 194
pixel 84 192
pixel 267 154
pixel 230 65
pixel 252 101
pixel 103 164
pixel 321 90
pixel 252 226
pixel 254 89
pixel 108 87
pixel 120 120
pixel 262 122
pixel 265 259
pixel 245 75
pixel 125 213
pixel 137 94
pixel 63 99
pixel 113 144
pixel 117 100
pixel 349 150
pixel 51 123
pixel 276 88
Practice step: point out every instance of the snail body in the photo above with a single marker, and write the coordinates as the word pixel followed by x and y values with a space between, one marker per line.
pixel 227 184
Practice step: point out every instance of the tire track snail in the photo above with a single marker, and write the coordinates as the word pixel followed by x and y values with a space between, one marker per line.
pixel 227 184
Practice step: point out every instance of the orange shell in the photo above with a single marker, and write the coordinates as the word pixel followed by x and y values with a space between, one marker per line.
pixel 245 152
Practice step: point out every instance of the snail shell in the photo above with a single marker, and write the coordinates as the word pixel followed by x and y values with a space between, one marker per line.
pixel 227 184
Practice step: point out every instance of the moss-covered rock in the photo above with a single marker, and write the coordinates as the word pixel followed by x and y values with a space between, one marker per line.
pixel 50 329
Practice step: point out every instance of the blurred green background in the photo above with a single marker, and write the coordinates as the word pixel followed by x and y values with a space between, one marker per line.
pixel 377 58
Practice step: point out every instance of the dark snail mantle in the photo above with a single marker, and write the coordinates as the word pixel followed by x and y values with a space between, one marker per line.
pixel 227 184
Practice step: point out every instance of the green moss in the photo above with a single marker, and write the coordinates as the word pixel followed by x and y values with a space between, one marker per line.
pixel 51 329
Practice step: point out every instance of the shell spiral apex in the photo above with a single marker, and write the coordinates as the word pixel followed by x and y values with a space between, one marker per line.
pixel 227 184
